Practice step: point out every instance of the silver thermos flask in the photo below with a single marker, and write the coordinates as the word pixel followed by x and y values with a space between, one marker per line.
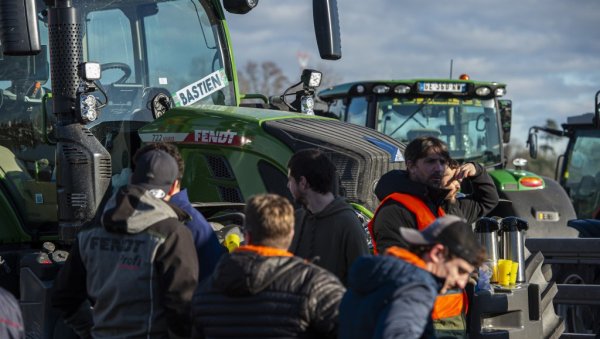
pixel 486 231
pixel 513 242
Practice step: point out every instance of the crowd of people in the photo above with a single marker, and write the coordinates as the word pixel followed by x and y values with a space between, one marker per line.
pixel 305 273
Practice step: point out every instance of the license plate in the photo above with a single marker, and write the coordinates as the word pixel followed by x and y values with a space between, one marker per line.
pixel 442 87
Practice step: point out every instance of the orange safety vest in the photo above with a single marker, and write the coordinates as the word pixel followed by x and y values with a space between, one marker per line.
pixel 451 303
pixel 415 205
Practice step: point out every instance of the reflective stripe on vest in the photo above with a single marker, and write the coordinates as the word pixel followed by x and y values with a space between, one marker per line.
pixel 415 205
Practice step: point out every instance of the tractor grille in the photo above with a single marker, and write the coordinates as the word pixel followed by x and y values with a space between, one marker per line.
pixel 219 167
pixel 230 194
pixel 359 162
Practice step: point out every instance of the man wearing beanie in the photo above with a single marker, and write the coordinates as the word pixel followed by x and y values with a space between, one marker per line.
pixel 134 274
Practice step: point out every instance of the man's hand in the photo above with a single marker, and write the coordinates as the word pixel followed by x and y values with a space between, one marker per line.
pixel 465 171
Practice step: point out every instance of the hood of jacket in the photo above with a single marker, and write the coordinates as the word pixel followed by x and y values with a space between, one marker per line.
pixel 244 273
pixel 371 273
pixel 397 181
pixel 132 210
pixel 336 205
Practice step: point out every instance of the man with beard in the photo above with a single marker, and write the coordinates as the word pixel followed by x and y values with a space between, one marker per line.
pixel 416 197
pixel 428 189
pixel 327 229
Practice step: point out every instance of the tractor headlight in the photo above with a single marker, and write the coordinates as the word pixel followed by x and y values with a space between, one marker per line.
pixel 87 107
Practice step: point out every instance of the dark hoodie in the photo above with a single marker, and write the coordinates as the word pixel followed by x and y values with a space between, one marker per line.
pixel 252 295
pixel 393 215
pixel 334 235
pixel 139 269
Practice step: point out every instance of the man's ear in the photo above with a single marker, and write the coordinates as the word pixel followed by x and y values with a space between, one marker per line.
pixel 409 165
pixel 175 187
pixel 437 253
pixel 303 183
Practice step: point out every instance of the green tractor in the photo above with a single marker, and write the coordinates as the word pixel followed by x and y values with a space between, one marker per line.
pixel 473 120
pixel 578 169
pixel 84 83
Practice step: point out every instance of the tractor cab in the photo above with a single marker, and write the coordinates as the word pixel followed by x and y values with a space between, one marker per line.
pixel 578 169
pixel 463 113
pixel 150 56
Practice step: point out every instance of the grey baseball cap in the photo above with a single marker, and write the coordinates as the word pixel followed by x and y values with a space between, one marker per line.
pixel 451 231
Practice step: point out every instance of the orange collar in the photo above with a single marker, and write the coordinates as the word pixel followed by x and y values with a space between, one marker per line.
pixel 406 255
pixel 265 251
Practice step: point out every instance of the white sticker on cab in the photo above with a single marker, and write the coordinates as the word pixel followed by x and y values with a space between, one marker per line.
pixel 201 88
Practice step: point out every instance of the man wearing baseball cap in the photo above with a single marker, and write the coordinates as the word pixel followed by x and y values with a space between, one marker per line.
pixel 137 267
pixel 392 295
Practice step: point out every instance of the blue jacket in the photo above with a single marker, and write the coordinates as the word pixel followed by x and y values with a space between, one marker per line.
pixel 387 297
pixel 208 248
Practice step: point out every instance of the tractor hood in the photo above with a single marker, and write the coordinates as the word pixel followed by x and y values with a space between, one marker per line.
pixel 246 145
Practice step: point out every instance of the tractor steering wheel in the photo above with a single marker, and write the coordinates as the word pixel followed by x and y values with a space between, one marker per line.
pixel 118 65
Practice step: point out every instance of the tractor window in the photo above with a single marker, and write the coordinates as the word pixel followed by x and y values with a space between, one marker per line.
pixel 337 108
pixel 583 173
pixel 357 111
pixel 26 163
pixel 184 47
pixel 102 44
pixel 469 127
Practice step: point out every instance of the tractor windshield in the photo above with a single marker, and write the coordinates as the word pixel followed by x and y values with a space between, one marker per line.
pixel 468 126
pixel 146 48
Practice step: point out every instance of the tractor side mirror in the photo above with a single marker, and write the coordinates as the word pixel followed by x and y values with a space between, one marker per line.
pixel 327 29
pixel 505 119
pixel 597 110
pixel 532 143
pixel 18 28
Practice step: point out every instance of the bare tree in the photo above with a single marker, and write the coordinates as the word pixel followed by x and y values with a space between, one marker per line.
pixel 266 78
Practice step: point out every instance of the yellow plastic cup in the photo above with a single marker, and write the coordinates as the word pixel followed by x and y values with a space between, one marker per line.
pixel 504 268
pixel 514 271
pixel 232 241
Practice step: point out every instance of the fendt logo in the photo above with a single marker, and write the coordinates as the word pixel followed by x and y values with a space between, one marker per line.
pixel 216 137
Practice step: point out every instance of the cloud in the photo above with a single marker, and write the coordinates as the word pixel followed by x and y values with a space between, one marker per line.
pixel 545 51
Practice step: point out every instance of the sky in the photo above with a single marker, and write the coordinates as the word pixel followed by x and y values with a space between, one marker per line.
pixel 546 51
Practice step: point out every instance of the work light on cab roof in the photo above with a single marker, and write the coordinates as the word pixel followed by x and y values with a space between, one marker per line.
pixel 311 78
pixel 381 89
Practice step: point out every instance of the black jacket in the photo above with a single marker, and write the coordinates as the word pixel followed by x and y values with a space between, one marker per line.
pixel 393 215
pixel 139 269
pixel 254 296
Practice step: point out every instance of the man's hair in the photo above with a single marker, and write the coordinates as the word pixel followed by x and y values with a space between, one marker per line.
pixel 453 164
pixel 316 167
pixel 453 233
pixel 269 220
pixel 421 146
pixel 478 257
pixel 166 147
